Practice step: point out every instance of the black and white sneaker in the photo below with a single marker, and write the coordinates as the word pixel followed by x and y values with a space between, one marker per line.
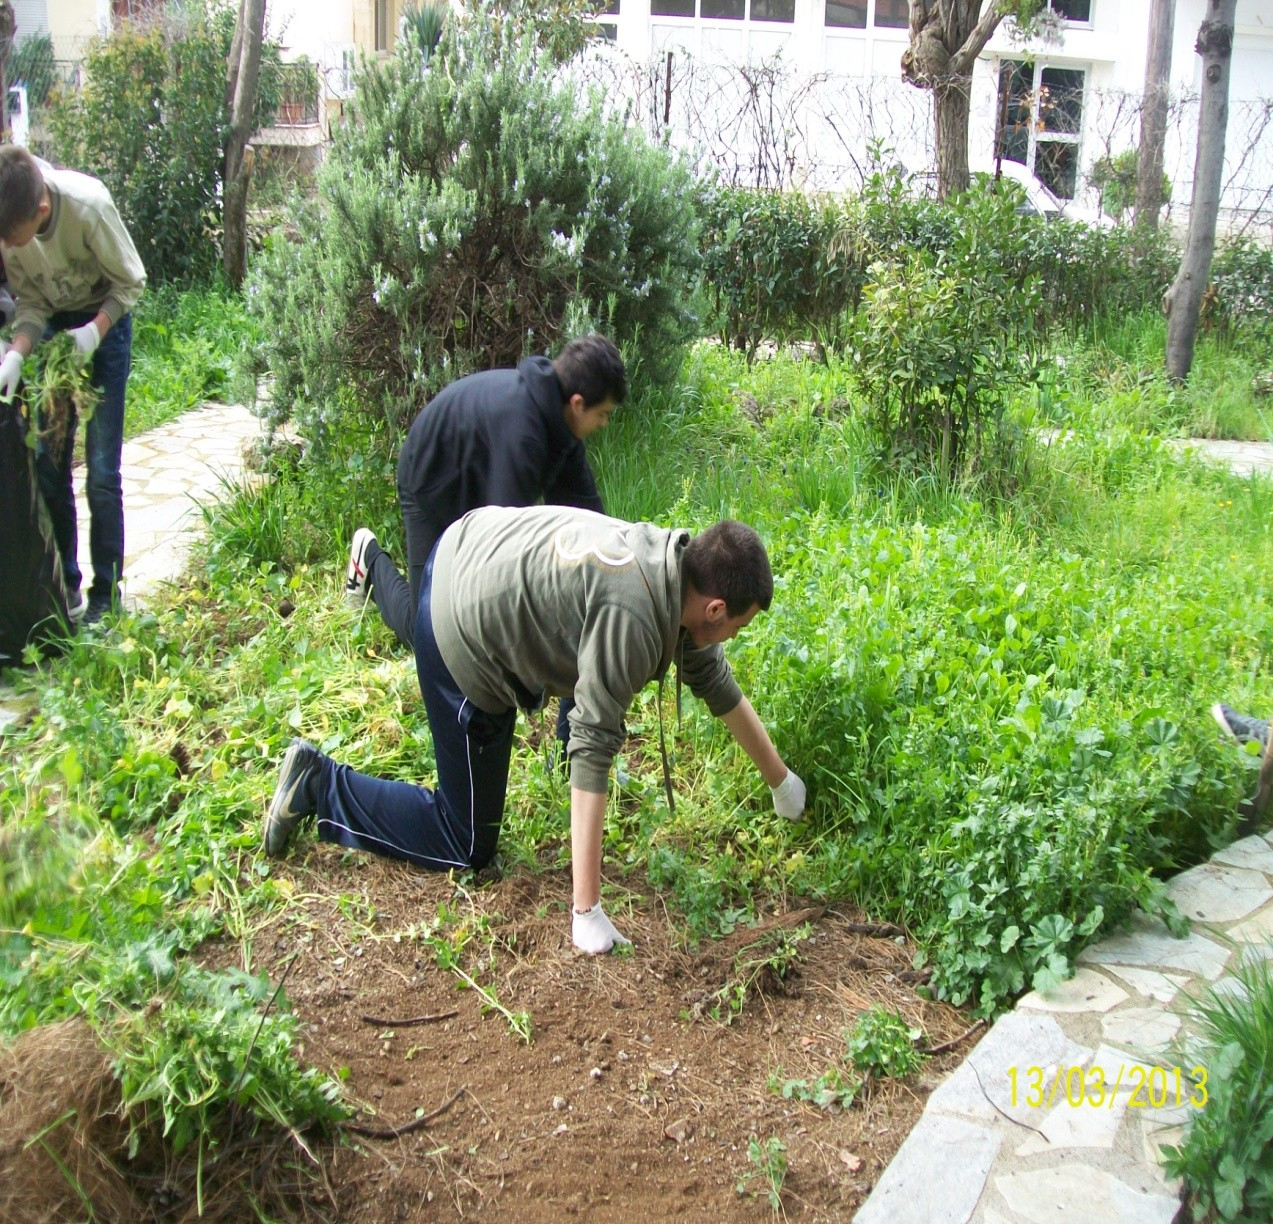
pixel 357 578
pixel 295 796
pixel 1242 727
pixel 76 605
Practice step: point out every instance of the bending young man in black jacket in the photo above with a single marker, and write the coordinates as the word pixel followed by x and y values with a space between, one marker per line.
pixel 498 438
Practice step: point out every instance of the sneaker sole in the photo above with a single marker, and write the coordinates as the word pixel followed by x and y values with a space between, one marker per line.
pixel 1217 712
pixel 358 584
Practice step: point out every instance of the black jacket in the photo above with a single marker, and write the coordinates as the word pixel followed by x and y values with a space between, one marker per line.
pixel 497 438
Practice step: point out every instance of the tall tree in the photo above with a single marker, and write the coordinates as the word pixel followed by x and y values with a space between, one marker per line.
pixel 1153 114
pixel 8 31
pixel 946 36
pixel 242 77
pixel 1183 301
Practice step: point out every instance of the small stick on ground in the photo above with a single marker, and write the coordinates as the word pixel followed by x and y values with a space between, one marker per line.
pixel 954 1041
pixel 395 1132
pixel 381 1022
pixel 878 930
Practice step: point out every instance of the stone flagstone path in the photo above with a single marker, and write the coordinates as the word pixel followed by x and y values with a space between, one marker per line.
pixel 977 1154
pixel 168 474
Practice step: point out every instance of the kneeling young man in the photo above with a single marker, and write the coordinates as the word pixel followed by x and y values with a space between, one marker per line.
pixel 518 605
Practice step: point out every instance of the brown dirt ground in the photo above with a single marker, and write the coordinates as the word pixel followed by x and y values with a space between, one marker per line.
pixel 623 1103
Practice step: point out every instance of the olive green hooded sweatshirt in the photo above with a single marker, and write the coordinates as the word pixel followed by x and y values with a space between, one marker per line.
pixel 555 601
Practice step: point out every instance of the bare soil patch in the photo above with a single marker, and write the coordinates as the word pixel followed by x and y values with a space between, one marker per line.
pixel 630 1101
pixel 624 1103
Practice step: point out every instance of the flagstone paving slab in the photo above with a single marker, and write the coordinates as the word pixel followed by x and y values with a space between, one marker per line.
pixel 1143 1028
pixel 1217 893
pixel 1252 852
pixel 983 1087
pixel 1086 991
pixel 1076 1192
pixel 1151 945
pixel 1257 929
pixel 1161 987
pixel 936 1177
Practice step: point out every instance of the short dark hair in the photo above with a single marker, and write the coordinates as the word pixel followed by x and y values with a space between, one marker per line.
pixel 728 561
pixel 21 188
pixel 591 366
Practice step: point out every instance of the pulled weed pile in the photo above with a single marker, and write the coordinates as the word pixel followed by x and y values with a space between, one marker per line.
pixel 59 393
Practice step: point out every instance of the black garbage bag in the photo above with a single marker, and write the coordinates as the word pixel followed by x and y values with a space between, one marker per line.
pixel 32 591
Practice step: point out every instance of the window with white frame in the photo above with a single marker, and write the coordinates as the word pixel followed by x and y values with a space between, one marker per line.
pixel 783 11
pixel 1075 12
pixel 1040 121
pixel 846 14
pixel 607 29
pixel 381 32
pixel 892 14
pixel 340 62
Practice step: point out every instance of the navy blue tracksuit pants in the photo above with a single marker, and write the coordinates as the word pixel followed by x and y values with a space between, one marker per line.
pixel 456 825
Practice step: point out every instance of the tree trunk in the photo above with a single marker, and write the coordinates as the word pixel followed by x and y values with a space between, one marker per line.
pixel 1153 115
pixel 1183 301
pixel 951 105
pixel 945 40
pixel 8 32
pixel 238 166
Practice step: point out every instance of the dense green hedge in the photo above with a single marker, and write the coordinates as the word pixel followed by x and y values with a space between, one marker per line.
pixel 784 266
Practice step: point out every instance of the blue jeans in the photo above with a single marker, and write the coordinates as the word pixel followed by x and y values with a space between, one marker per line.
pixel 456 825
pixel 103 444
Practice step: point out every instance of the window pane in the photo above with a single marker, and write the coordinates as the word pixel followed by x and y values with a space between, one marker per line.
pixel 1012 140
pixel 846 14
pixel 606 30
pixel 730 10
pixel 892 14
pixel 1061 100
pixel 1072 10
pixel 611 9
pixel 672 8
pixel 773 10
pixel 1056 164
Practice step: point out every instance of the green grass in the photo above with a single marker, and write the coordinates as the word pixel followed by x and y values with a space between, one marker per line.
pixel 1114 377
pixel 1226 1156
pixel 185 344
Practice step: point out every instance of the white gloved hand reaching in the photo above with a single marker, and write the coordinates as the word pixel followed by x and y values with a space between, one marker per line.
pixel 593 932
pixel 789 796
pixel 86 338
pixel 10 373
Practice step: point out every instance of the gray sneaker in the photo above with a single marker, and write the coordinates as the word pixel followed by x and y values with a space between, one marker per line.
pixel 294 796
pixel 1242 727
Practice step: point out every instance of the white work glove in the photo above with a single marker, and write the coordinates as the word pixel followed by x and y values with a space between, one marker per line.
pixel 789 796
pixel 10 373
pixel 86 338
pixel 594 933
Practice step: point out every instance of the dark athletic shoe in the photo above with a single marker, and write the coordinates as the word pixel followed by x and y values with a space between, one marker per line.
pixel 357 579
pixel 100 604
pixel 1242 727
pixel 76 605
pixel 294 796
